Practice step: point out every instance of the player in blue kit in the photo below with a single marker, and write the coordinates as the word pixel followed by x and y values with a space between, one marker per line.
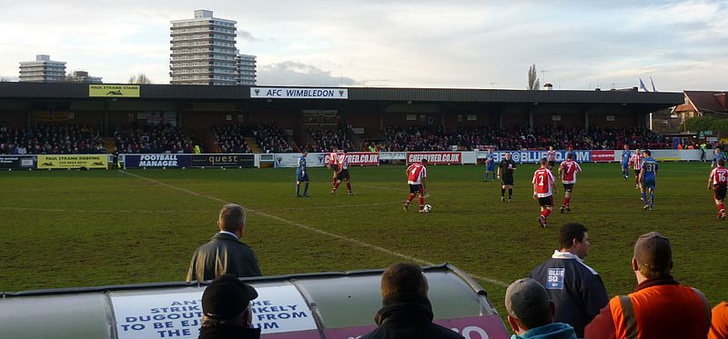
pixel 626 155
pixel 302 175
pixel 489 164
pixel 647 178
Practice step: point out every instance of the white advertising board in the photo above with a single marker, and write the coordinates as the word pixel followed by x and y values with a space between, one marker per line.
pixel 278 309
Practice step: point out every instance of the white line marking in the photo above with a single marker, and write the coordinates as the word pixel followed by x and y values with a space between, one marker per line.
pixel 93 211
pixel 316 230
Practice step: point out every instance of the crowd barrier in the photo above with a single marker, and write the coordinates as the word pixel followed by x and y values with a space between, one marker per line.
pixel 249 160
pixel 321 305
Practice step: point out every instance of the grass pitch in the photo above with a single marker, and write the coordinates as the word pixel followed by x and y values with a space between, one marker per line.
pixel 90 228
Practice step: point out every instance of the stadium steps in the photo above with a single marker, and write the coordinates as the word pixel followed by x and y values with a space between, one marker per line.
pixel 253 145
pixel 110 144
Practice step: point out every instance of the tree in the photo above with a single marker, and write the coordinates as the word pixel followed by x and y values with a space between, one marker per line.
pixel 139 79
pixel 533 83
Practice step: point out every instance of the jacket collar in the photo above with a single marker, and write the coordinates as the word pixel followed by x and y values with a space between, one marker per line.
pixel 405 307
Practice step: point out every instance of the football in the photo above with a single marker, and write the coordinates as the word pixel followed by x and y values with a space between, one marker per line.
pixel 427 208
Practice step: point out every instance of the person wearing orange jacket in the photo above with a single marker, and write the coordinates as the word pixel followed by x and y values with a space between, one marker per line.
pixel 719 325
pixel 659 307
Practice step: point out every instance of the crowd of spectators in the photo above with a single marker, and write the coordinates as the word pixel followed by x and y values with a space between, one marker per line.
pixel 163 138
pixel 51 139
pixel 327 139
pixel 272 139
pixel 421 138
pixel 231 138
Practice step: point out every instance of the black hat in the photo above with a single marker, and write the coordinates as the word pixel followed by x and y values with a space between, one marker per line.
pixel 226 297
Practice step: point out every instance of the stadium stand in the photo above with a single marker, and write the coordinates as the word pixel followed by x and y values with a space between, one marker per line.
pixel 51 139
pixel 419 138
pixel 162 138
pixel 327 139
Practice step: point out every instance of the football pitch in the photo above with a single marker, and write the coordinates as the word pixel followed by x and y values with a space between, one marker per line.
pixel 89 228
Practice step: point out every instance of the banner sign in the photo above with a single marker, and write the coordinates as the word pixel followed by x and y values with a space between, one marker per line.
pixel 484 327
pixel 166 160
pixel 436 158
pixel 535 156
pixel 298 93
pixel 603 156
pixel 113 91
pixel 223 160
pixel 363 159
pixel 66 161
pixel 17 161
pixel 291 159
pixel 279 311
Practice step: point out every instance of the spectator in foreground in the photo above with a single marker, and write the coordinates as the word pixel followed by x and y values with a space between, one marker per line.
pixel 659 307
pixel 719 325
pixel 406 311
pixel 531 312
pixel 225 254
pixel 576 289
pixel 226 310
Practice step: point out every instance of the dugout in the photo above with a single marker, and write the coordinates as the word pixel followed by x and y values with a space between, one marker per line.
pixel 319 305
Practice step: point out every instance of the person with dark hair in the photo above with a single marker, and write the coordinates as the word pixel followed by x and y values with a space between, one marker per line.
pixel 302 175
pixel 531 312
pixel 567 171
pixel 417 180
pixel 226 310
pixel 544 188
pixel 406 312
pixel 576 289
pixel 647 179
pixel 225 254
pixel 659 307
pixel 718 181
pixel 505 173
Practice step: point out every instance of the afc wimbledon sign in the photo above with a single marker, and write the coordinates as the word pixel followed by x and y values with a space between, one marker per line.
pixel 298 93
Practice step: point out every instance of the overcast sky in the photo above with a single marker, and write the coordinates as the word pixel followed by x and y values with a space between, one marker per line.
pixel 575 44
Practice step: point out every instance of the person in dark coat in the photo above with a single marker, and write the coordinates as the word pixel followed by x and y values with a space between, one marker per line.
pixel 226 310
pixel 406 311
pixel 225 254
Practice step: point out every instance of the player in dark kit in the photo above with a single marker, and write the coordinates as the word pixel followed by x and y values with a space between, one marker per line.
pixel 505 173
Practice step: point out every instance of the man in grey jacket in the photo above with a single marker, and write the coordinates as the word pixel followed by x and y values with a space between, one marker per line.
pixel 225 254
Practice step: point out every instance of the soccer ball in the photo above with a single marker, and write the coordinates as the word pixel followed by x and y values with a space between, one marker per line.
pixel 427 208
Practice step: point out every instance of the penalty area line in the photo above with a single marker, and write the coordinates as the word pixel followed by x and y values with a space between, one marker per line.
pixel 315 230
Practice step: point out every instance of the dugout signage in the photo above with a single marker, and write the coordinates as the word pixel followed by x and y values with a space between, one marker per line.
pixel 223 160
pixel 17 162
pixel 436 158
pixel 279 311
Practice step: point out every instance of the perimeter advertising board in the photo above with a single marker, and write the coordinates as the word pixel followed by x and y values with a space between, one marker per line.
pixel 156 160
pixel 291 159
pixel 223 160
pixel 358 158
pixel 533 157
pixel 436 158
pixel 279 311
pixel 17 161
pixel 69 161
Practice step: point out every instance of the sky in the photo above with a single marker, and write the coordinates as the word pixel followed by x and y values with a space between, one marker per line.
pixel 574 44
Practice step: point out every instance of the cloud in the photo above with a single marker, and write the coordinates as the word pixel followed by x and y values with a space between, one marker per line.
pixel 291 73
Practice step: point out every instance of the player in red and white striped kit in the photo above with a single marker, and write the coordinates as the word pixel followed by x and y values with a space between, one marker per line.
pixel 544 188
pixel 333 164
pixel 342 172
pixel 636 162
pixel 718 181
pixel 567 171
pixel 551 157
pixel 416 179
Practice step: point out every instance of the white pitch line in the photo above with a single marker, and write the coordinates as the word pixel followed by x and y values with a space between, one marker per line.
pixel 316 230
pixel 93 211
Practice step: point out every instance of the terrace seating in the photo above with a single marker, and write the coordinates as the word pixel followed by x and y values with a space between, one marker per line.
pixel 51 139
